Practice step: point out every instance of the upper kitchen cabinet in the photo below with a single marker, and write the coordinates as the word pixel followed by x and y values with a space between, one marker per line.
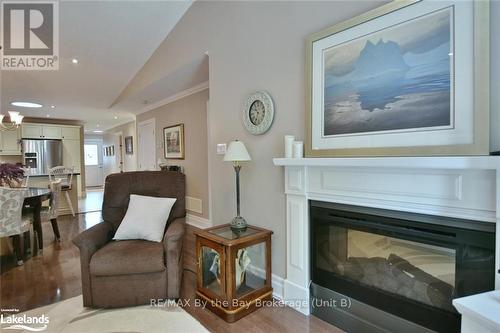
pixel 10 142
pixel 38 131
pixel 31 131
pixel 70 133
pixel 51 132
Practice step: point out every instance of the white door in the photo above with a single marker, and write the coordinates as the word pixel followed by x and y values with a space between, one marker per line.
pixel 147 145
pixel 93 163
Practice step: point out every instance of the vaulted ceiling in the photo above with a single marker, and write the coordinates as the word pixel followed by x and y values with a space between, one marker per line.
pixel 112 40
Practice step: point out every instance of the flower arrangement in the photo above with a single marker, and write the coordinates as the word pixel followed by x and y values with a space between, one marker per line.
pixel 11 175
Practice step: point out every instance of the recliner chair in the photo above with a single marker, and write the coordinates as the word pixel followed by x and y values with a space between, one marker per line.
pixel 132 272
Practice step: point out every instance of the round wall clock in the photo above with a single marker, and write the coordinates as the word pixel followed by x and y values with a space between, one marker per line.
pixel 258 113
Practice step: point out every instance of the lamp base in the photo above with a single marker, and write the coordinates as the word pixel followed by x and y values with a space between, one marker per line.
pixel 238 224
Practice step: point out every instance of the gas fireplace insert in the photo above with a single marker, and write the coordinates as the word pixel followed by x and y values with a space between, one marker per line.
pixel 406 266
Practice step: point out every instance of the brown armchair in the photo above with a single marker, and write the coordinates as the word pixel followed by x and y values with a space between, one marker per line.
pixel 131 272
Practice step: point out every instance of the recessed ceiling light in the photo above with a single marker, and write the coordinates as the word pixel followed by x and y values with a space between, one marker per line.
pixel 97 131
pixel 74 60
pixel 26 104
pixel 116 117
pixel 52 106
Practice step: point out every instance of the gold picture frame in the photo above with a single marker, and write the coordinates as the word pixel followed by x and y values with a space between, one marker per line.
pixel 481 107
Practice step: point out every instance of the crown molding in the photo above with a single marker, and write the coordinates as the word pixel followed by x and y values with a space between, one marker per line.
pixel 182 94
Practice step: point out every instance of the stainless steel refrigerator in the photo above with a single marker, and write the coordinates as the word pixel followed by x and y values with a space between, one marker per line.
pixel 41 155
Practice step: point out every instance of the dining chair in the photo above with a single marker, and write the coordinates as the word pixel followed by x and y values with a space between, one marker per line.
pixel 26 180
pixel 65 174
pixel 12 221
pixel 51 212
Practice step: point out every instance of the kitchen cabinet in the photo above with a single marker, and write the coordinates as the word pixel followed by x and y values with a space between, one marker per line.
pixel 70 136
pixel 71 154
pixel 51 132
pixel 70 133
pixel 38 131
pixel 31 131
pixel 10 142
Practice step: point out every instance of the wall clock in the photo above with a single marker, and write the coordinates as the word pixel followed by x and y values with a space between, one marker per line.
pixel 258 113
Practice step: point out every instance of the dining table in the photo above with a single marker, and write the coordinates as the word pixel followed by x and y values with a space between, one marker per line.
pixel 33 199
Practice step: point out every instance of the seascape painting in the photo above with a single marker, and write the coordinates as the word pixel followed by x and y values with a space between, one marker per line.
pixel 396 79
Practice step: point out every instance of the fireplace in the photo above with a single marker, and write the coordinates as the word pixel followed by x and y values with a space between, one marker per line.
pixel 399 270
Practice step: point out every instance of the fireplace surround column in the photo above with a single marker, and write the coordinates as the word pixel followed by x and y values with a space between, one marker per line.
pixel 296 284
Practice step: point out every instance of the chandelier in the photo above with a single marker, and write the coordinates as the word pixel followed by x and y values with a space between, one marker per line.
pixel 15 121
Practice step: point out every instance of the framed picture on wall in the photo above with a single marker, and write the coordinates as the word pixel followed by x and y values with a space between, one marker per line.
pixel 112 150
pixel 408 78
pixel 129 145
pixel 173 141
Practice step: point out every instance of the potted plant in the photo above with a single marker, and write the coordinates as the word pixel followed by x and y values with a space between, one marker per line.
pixel 11 175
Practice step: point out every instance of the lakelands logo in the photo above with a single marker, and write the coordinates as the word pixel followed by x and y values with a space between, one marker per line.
pixel 24 322
pixel 30 35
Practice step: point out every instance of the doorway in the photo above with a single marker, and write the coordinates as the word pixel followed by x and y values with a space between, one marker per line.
pixel 93 163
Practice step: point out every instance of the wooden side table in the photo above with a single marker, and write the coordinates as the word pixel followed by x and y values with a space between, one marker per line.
pixel 234 269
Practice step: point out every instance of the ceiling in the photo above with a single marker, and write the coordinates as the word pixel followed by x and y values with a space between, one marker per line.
pixel 192 74
pixel 112 40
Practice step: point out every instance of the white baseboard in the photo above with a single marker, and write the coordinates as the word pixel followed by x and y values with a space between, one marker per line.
pixel 198 222
pixel 296 297
pixel 276 281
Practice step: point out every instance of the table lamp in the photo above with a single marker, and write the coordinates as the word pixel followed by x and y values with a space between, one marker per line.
pixel 237 153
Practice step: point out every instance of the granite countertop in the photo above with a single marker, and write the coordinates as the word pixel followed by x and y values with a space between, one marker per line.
pixel 46 175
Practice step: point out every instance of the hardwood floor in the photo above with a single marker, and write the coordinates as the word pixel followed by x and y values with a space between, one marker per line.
pixel 51 277
pixel 55 276
pixel 92 202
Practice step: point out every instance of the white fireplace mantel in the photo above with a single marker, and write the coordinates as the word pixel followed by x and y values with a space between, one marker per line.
pixel 449 162
pixel 461 187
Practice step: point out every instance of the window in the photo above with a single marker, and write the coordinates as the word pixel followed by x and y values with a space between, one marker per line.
pixel 91 157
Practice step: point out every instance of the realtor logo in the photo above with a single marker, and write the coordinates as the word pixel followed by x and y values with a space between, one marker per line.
pixel 30 35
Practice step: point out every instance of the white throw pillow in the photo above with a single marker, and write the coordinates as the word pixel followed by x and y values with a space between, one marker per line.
pixel 145 218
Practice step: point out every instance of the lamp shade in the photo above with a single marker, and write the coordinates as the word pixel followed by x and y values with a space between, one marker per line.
pixel 13 116
pixel 237 152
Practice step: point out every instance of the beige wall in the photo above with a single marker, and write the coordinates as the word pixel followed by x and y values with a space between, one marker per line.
pixel 251 46
pixel 111 164
pixel 192 112
pixel 495 76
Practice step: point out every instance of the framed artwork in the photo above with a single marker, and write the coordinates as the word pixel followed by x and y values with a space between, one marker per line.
pixel 408 78
pixel 129 145
pixel 173 141
pixel 112 150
